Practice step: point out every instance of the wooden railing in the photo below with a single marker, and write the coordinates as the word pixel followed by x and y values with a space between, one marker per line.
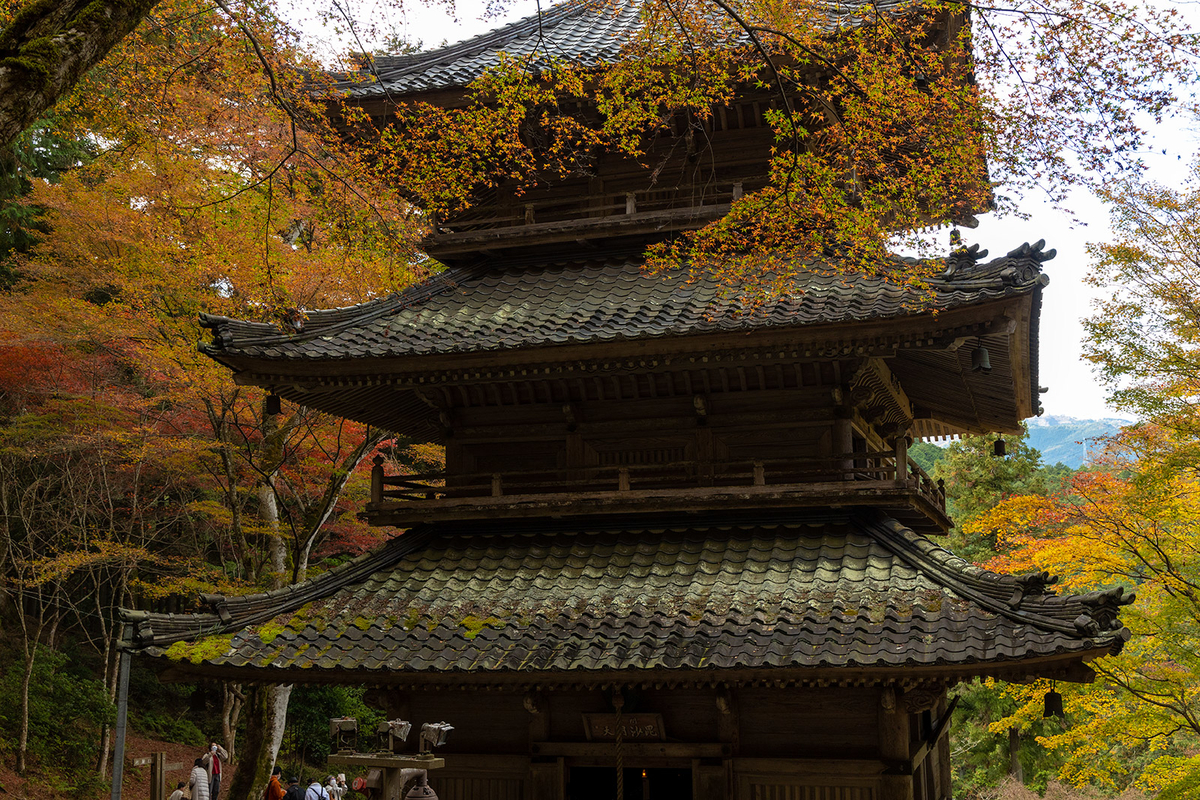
pixel 855 470
pixel 578 207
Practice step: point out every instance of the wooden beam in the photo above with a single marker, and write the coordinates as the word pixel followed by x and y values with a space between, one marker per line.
pixel 632 750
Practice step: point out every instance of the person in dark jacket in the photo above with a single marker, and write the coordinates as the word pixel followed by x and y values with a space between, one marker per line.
pixel 294 790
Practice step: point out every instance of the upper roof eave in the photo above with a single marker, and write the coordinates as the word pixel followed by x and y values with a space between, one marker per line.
pixel 581 31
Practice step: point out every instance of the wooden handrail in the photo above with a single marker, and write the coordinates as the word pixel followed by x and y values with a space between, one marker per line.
pixel 847 467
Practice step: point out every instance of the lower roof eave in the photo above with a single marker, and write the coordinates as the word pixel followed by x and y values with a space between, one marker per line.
pixel 1070 667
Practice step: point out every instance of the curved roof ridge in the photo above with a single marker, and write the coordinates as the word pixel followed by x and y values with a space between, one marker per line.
pixel 322 322
pixel 495 36
pixel 232 613
pixel 491 282
pixel 558 28
pixel 1029 600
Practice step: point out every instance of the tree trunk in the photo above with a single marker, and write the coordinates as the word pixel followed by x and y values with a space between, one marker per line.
pixel 110 686
pixel 26 678
pixel 260 745
pixel 279 711
pixel 231 711
pixel 49 46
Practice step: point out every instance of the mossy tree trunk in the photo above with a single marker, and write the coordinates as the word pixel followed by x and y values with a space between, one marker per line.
pixel 264 729
pixel 48 47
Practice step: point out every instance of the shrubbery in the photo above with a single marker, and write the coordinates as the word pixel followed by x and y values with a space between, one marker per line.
pixel 306 740
pixel 67 707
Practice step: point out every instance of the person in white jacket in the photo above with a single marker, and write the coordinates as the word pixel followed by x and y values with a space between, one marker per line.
pixel 336 787
pixel 316 791
pixel 199 781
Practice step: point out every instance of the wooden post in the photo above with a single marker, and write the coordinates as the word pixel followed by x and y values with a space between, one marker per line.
pixel 1014 755
pixel 630 203
pixel 118 770
pixel 497 487
pixel 945 778
pixel 901 458
pixel 547 779
pixel 377 480
pixel 704 455
pixel 623 479
pixel 843 443
pixel 895 749
pixel 737 191
pixel 529 213
pixel 158 776
pixel 760 474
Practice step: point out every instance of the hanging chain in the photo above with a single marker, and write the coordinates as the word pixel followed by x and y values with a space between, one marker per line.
pixel 619 703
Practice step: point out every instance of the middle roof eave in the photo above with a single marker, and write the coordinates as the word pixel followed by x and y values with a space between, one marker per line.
pixel 582 303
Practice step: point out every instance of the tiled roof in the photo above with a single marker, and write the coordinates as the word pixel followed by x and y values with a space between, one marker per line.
pixel 584 32
pixel 577 302
pixel 533 598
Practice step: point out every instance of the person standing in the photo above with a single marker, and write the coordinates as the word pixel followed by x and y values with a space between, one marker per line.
pixel 274 790
pixel 336 787
pixel 294 790
pixel 198 782
pixel 213 760
pixel 316 791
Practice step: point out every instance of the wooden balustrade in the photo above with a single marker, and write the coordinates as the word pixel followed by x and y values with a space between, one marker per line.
pixel 548 210
pixel 857 471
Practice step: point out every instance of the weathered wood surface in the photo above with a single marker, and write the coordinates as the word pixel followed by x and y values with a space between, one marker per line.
pixel 387 761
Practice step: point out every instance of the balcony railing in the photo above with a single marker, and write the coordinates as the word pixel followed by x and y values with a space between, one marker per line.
pixel 841 477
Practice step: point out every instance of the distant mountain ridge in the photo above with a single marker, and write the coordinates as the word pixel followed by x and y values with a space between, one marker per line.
pixel 1068 439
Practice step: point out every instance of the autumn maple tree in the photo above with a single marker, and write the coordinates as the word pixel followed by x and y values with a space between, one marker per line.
pixel 886 118
pixel 1132 519
pixel 203 193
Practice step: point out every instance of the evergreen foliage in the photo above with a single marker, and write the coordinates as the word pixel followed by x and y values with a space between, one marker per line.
pixel 306 741
pixel 67 707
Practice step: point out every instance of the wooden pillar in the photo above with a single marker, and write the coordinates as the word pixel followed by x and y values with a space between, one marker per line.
pixel 843 442
pixel 547 779
pixel 377 480
pixel 945 776
pixel 895 748
pixel 704 455
pixel 728 732
pixel 901 447
pixel 158 776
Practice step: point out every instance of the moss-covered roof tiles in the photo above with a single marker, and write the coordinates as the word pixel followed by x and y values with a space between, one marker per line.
pixel 786 592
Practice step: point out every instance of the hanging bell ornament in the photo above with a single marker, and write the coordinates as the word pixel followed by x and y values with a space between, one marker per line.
pixel 980 362
pixel 1054 705
pixel 999 449
pixel 272 406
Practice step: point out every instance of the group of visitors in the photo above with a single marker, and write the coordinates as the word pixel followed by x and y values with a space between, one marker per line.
pixel 205 780
pixel 334 788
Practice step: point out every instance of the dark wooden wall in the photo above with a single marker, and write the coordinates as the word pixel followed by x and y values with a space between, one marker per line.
pixel 739 744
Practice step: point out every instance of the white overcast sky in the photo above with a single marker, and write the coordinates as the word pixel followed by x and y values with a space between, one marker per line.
pixel 1074 391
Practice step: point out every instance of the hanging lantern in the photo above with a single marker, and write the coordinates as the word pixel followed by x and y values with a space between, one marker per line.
pixel 980 362
pixel 272 406
pixel 999 449
pixel 1054 705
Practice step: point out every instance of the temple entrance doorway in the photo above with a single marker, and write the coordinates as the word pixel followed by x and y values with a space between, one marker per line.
pixel 651 783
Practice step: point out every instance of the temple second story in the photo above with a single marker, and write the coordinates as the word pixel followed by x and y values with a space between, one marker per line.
pixel 568 175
